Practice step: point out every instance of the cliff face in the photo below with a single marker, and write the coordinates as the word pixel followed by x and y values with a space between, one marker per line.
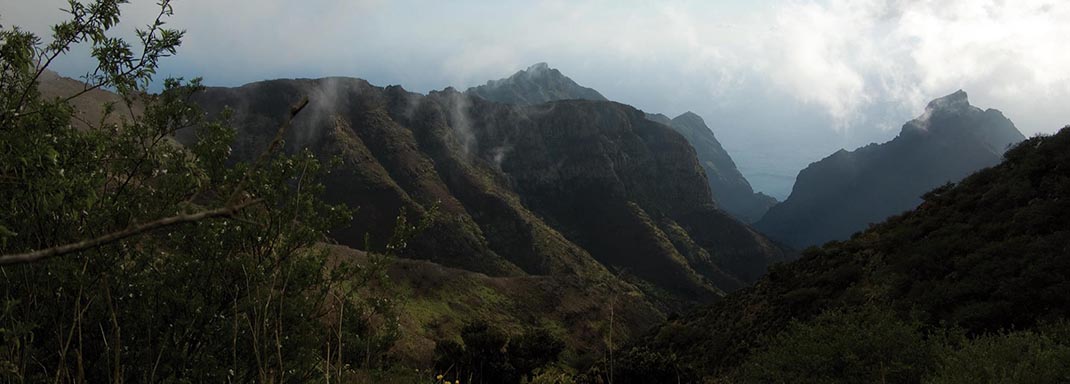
pixel 562 188
pixel 844 192
pixel 730 189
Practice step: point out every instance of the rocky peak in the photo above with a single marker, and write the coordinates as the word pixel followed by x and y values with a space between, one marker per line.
pixel 538 68
pixel 537 84
pixel 957 101
pixel 953 118
pixel 690 118
pixel 843 193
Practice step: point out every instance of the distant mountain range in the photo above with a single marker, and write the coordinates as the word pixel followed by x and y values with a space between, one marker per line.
pixel 731 191
pixel 843 193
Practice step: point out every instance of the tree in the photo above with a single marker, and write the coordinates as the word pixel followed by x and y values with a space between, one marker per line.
pixel 864 345
pixel 489 355
pixel 129 257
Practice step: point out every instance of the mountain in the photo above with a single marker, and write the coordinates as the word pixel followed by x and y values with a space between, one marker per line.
pixel 845 191
pixel 537 84
pixel 88 107
pixel 540 84
pixel 985 256
pixel 730 189
pixel 565 188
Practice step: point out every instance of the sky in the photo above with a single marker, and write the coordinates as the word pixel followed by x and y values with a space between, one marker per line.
pixel 781 82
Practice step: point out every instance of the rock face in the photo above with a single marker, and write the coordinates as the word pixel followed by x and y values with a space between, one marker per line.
pixel 730 189
pixel 572 187
pixel 537 84
pixel 841 194
pixel 540 84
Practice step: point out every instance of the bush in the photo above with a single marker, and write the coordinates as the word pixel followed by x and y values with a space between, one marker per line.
pixel 1018 357
pixel 869 345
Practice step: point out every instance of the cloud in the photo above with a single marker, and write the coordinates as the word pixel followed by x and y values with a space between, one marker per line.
pixel 846 55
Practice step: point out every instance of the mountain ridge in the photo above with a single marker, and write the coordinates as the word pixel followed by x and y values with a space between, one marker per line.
pixel 731 190
pixel 509 181
pixel 986 255
pixel 842 193
pixel 540 83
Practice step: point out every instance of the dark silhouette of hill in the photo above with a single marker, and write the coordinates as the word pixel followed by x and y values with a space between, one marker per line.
pixel 848 190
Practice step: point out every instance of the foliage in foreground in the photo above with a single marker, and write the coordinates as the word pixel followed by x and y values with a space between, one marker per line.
pixel 127 257
pixel 873 345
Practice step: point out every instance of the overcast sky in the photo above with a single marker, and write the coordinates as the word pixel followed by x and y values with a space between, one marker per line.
pixel 782 83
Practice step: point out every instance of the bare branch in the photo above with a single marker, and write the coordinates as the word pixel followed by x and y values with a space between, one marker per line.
pixel 116 236
pixel 271 148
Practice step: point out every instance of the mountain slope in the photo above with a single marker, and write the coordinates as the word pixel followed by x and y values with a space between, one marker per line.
pixel 987 254
pixel 844 192
pixel 537 84
pixel 730 189
pixel 540 83
pixel 88 106
pixel 436 302
pixel 564 188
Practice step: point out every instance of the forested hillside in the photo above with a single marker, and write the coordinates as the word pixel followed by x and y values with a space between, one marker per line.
pixel 968 285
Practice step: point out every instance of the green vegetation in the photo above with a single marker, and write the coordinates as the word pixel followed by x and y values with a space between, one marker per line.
pixel 870 345
pixel 1018 357
pixel 128 257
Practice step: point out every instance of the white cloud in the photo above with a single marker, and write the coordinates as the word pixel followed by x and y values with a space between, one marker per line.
pixel 844 55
